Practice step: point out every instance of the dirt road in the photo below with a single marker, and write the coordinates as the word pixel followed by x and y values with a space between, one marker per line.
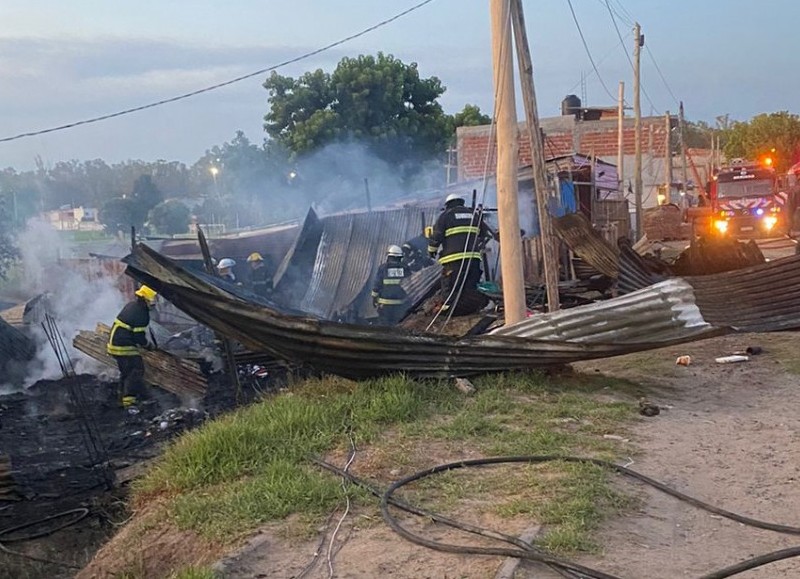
pixel 732 438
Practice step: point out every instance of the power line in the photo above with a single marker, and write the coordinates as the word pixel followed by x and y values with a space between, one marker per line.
pixel 588 52
pixel 628 56
pixel 664 80
pixel 221 84
pixel 602 60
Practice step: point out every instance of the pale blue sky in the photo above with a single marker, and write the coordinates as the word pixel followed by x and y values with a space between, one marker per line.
pixel 65 61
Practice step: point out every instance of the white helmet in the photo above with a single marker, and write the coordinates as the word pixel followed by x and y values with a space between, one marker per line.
pixel 226 263
pixel 394 251
pixel 453 197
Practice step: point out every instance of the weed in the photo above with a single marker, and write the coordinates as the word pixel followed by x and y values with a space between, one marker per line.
pixel 194 573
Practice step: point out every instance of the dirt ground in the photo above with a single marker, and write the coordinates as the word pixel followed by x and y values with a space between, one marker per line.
pixel 728 434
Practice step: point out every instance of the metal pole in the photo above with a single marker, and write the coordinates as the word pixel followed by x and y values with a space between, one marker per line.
pixel 541 187
pixel 507 163
pixel 621 136
pixel 637 112
pixel 684 174
pixel 668 158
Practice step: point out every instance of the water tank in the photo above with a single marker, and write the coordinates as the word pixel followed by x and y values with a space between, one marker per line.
pixel 571 105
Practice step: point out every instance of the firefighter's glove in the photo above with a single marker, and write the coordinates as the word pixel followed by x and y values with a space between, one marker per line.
pixel 151 347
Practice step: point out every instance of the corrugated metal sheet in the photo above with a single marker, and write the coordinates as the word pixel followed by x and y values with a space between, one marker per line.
pixel 16 349
pixel 346 251
pixel 579 235
pixel 674 311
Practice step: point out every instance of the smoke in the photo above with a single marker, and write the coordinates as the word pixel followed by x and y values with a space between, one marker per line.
pixel 75 302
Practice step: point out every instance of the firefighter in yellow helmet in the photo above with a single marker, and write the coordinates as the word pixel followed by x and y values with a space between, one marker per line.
pixel 259 279
pixel 128 336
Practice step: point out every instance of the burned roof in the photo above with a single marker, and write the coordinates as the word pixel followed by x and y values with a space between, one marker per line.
pixel 328 270
pixel 673 311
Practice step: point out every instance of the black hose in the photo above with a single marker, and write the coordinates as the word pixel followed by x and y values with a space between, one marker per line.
pixel 554 562
pixel 80 513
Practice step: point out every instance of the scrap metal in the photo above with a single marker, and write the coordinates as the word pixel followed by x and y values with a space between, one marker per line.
pixel 673 311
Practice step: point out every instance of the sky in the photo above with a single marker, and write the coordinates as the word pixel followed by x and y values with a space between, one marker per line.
pixel 62 62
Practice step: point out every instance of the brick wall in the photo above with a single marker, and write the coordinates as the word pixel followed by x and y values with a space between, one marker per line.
pixel 564 135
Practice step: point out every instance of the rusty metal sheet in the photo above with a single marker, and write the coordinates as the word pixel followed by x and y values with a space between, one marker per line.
pixel 671 312
pixel 579 235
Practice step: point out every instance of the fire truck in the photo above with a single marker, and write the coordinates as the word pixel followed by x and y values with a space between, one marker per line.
pixel 747 201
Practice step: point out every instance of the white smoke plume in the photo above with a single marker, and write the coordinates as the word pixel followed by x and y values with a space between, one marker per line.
pixel 75 302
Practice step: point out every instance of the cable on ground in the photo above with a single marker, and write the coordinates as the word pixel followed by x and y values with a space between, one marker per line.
pixel 76 515
pixel 532 553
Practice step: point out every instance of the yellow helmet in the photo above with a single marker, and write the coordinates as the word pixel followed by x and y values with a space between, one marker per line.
pixel 255 256
pixel 148 294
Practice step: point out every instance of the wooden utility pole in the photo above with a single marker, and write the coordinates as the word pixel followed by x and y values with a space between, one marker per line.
pixel 621 136
pixel 541 187
pixel 637 112
pixel 684 175
pixel 507 163
pixel 668 158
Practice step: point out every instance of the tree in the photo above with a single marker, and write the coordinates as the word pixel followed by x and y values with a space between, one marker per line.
pixel 8 249
pixel 119 214
pixel 379 101
pixel 697 134
pixel 170 217
pixel 470 116
pixel 776 135
pixel 145 196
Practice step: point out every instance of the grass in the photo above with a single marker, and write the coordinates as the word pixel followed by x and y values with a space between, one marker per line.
pixel 194 573
pixel 250 467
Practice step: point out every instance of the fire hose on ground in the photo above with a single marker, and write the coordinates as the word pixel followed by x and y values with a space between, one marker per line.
pixel 72 517
pixel 530 552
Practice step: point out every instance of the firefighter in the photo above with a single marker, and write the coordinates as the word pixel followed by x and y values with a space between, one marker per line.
pixel 225 269
pixel 461 233
pixel 128 336
pixel 259 280
pixel 388 297
pixel 415 254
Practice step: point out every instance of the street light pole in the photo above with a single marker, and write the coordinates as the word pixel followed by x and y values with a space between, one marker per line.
pixel 214 172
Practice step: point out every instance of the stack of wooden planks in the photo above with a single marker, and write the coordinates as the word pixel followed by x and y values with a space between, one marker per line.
pixel 180 376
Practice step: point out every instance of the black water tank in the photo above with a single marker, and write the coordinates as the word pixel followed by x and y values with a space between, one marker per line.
pixel 571 105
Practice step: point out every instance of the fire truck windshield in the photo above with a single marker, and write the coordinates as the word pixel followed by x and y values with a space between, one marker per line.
pixel 749 188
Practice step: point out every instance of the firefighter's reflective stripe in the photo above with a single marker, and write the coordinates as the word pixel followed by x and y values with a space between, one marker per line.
pixel 433 248
pixel 122 350
pixel 390 302
pixel 392 281
pixel 459 256
pixel 374 294
pixel 468 229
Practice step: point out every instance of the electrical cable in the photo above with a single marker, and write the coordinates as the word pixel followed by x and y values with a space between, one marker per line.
pixel 81 513
pixel 627 55
pixel 729 571
pixel 661 74
pixel 221 84
pixel 588 52
pixel 602 59
pixel 350 460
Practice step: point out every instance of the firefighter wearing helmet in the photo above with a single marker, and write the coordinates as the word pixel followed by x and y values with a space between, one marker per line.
pixel 259 279
pixel 458 235
pixel 388 296
pixel 225 269
pixel 127 338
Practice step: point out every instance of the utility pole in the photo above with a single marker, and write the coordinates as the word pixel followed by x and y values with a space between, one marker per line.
pixel 540 185
pixel 668 158
pixel 507 162
pixel 684 174
pixel 621 136
pixel 637 112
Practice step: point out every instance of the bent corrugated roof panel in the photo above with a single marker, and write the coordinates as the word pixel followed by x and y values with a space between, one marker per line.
pixel 670 312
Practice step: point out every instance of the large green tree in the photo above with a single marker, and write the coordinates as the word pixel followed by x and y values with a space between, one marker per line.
pixel 776 135
pixel 119 214
pixel 170 217
pixel 375 100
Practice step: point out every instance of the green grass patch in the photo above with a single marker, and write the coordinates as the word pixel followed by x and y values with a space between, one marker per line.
pixel 250 467
pixel 194 573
